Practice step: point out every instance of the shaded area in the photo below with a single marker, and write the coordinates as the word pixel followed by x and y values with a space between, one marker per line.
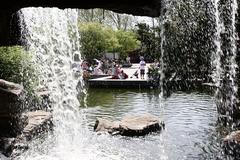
pixel 135 7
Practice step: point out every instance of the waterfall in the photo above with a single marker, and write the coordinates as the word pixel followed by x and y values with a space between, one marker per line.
pixel 51 36
pixel 224 58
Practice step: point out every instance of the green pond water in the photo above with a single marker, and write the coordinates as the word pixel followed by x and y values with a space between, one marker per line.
pixel 191 129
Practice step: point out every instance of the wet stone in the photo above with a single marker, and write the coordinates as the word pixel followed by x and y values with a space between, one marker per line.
pixel 130 126
pixel 34 124
pixel 232 144
pixel 12 96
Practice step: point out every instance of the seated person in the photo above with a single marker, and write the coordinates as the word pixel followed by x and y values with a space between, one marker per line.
pixel 122 75
pixel 115 72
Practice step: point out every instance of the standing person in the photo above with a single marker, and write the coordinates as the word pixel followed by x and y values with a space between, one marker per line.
pixel 128 60
pixel 142 67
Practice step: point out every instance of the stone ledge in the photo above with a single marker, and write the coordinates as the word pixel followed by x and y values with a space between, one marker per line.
pixel 34 123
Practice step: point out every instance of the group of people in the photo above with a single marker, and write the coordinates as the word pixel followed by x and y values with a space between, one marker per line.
pixel 110 67
pixel 104 66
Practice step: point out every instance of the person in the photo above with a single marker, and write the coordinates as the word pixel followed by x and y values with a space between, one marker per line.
pixel 84 65
pixel 142 64
pixel 122 75
pixel 128 60
pixel 116 71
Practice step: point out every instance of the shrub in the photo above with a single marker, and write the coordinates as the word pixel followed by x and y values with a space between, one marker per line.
pixel 16 66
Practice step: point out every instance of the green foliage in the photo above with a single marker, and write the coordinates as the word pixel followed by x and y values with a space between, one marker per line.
pixel 187 39
pixel 15 66
pixel 189 43
pixel 96 39
pixel 127 41
pixel 93 40
pixel 150 39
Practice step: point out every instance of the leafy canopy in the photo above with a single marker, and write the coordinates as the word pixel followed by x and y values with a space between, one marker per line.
pixel 96 39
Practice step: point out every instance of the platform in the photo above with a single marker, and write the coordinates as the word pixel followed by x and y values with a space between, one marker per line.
pixel 131 82
pixel 107 82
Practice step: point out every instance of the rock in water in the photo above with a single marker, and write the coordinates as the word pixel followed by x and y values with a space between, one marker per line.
pixel 130 126
pixel 103 125
pixel 139 125
pixel 232 144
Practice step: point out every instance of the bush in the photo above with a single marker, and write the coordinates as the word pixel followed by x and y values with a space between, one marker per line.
pixel 16 66
pixel 96 39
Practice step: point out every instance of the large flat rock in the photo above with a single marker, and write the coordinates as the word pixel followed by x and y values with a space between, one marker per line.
pixel 130 126
pixel 139 125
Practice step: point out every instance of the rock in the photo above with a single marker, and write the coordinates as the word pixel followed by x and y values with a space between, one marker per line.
pixel 11 106
pixel 2 157
pixel 103 125
pixel 232 144
pixel 6 145
pixel 35 123
pixel 12 146
pixel 233 137
pixel 44 100
pixel 139 125
pixel 130 126
pixel 10 88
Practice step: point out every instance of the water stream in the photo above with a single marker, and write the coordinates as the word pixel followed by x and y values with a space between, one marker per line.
pixel 224 58
pixel 51 35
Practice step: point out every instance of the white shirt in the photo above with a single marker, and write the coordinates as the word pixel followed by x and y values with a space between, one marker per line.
pixel 142 65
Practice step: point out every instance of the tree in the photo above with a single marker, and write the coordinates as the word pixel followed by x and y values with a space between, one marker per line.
pixel 92 15
pixel 127 42
pixel 149 41
pixel 188 33
pixel 96 39
pixel 93 40
pixel 109 18
pixel 119 21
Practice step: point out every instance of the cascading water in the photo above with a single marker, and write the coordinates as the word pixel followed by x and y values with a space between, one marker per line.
pixel 224 58
pixel 51 35
pixel 163 19
pixel 218 53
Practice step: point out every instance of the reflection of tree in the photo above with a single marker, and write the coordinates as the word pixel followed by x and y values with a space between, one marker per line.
pixel 99 97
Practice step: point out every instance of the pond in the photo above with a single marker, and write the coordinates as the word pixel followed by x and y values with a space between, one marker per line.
pixel 191 129
pixel 191 124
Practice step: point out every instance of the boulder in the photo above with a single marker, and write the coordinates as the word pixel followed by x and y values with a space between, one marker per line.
pixel 12 96
pixel 44 100
pixel 34 123
pixel 130 126
pixel 232 144
pixel 104 125
pixel 139 125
